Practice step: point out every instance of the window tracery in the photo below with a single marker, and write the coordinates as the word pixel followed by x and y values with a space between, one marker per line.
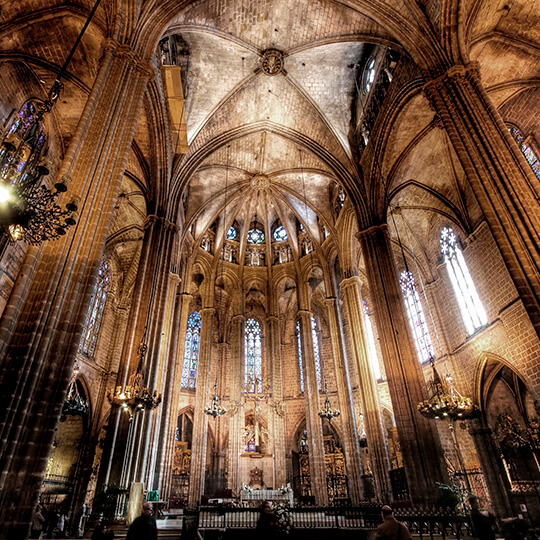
pixel 472 311
pixel 417 320
pixel 191 351
pixel 255 236
pixel 280 234
pixel 232 233
pixel 94 316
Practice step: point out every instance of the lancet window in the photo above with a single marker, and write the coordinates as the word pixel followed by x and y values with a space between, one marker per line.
pixel 472 311
pixel 415 312
pixel 300 357
pixel 191 351
pixel 94 316
pixel 253 356
pixel 316 351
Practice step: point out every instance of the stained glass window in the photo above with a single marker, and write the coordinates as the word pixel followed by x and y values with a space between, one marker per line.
pixel 419 327
pixel 255 236
pixel 528 152
pixel 472 311
pixel 232 233
pixel 280 234
pixel 316 351
pixel 92 324
pixel 372 347
pixel 253 360
pixel 191 351
pixel 302 228
pixel 300 358
pixel 368 75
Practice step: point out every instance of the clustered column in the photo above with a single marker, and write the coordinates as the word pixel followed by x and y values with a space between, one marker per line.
pixel 351 444
pixel 317 464
pixel 202 397
pixel 368 387
pixel 37 354
pixel 422 452
pixel 274 356
pixel 498 173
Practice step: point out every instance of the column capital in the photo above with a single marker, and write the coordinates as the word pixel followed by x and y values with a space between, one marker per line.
pixel 350 282
pixel 330 301
pixel 370 230
pixel 272 319
pixel 304 313
pixel 188 297
pixel 238 318
pixel 456 72
pixel 122 51
pixel 208 311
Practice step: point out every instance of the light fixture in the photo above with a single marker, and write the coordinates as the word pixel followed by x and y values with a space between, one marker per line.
pixel 328 411
pixel 215 409
pixel 74 404
pixel 135 397
pixel 445 402
pixel 29 208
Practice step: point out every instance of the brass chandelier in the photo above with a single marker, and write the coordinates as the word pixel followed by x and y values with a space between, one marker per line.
pixel 135 397
pixel 215 408
pixel 328 411
pixel 445 402
pixel 29 207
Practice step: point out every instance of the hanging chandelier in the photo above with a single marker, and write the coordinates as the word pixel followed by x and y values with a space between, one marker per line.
pixel 135 397
pixel 74 404
pixel 29 207
pixel 328 411
pixel 215 408
pixel 445 402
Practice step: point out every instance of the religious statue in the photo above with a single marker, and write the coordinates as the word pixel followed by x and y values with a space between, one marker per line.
pixel 205 243
pixel 227 253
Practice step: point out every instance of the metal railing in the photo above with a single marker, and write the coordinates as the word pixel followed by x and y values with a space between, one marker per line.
pixel 419 522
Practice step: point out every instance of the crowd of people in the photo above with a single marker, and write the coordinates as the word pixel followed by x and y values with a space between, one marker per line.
pixel 48 523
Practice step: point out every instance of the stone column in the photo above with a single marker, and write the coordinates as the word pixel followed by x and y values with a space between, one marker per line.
pixel 176 354
pixel 498 173
pixel 317 464
pixel 368 388
pixel 493 469
pixel 351 443
pixel 37 352
pixel 276 373
pixel 236 409
pixel 422 452
pixel 150 328
pixel 202 399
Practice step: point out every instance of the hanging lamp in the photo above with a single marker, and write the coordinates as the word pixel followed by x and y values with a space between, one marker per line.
pixel 29 209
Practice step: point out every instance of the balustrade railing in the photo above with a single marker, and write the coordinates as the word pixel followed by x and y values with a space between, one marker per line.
pixel 423 523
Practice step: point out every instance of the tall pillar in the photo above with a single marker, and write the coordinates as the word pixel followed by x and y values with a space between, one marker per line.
pixel 351 443
pixel 422 452
pixel 368 388
pixel 236 410
pixel 498 173
pixel 176 354
pixel 276 374
pixel 317 464
pixel 37 352
pixel 200 420
pixel 154 314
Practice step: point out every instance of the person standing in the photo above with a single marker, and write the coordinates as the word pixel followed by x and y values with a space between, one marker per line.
pixel 267 525
pixel 391 528
pixel 144 527
pixel 38 522
pixel 483 522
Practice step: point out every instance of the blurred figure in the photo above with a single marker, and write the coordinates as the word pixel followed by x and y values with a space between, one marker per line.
pixel 391 528
pixel 144 527
pixel 38 522
pixel 483 522
pixel 267 525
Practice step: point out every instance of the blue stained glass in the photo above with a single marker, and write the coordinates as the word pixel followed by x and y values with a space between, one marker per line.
pixel 232 233
pixel 527 151
pixel 191 351
pixel 253 356
pixel 255 236
pixel 300 358
pixel 95 313
pixel 280 234
pixel 419 327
